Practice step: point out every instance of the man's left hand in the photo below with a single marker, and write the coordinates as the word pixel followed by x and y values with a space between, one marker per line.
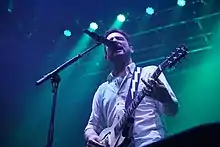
pixel 157 90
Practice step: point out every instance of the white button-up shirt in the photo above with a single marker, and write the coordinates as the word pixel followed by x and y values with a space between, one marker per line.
pixel 109 103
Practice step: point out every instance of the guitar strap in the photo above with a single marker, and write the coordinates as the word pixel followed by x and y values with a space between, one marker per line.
pixel 132 91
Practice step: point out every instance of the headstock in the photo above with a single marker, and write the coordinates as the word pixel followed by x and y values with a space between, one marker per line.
pixel 176 56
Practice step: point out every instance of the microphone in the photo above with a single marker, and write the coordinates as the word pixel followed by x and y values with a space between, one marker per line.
pixel 101 39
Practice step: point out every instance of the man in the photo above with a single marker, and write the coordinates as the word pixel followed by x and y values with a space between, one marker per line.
pixel 110 97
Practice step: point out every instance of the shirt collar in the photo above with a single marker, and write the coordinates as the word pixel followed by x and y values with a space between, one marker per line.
pixel 129 69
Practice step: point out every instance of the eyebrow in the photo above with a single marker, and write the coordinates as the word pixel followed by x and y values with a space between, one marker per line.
pixel 120 37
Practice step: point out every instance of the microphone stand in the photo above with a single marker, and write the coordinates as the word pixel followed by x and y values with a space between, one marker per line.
pixel 55 80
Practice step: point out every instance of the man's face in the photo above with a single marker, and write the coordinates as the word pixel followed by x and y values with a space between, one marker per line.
pixel 124 49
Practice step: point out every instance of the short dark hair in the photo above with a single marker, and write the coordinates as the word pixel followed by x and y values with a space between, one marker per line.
pixel 118 31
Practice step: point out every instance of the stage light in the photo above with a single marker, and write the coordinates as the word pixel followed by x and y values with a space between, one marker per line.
pixel 93 26
pixel 150 10
pixel 9 10
pixel 121 18
pixel 67 33
pixel 181 3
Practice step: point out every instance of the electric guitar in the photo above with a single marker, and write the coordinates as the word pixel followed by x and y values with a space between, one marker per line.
pixel 112 136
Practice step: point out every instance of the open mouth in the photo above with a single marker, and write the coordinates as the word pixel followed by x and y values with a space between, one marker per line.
pixel 119 51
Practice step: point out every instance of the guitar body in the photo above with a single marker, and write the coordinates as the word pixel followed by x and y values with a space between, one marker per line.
pixel 110 138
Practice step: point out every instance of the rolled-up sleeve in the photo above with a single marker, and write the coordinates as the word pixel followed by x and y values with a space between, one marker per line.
pixel 96 117
pixel 169 108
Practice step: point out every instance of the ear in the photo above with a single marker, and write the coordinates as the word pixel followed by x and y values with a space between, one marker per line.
pixel 132 49
pixel 106 57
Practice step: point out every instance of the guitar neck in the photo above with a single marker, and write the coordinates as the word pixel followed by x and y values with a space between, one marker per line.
pixel 137 100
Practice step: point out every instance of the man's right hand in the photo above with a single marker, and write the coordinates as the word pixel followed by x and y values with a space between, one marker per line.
pixel 94 141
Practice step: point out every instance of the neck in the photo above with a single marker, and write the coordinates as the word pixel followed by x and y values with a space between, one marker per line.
pixel 119 67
